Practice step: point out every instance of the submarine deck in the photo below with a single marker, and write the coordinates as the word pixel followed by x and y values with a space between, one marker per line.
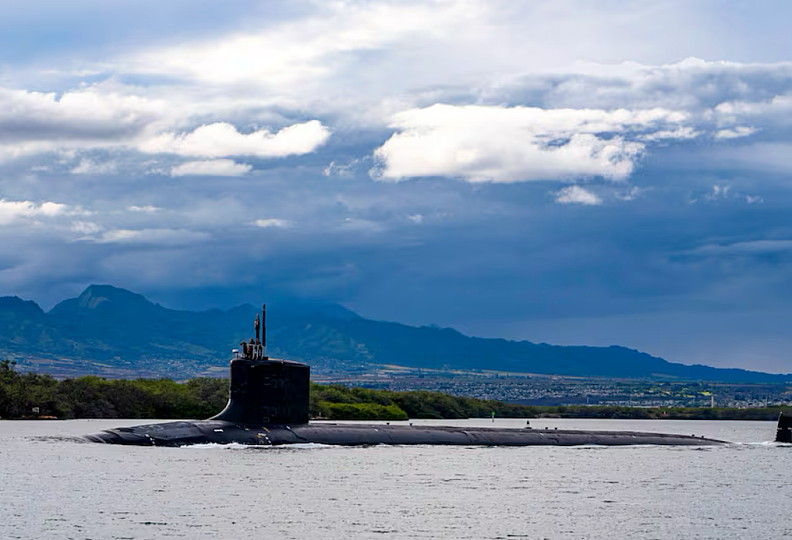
pixel 222 432
pixel 351 434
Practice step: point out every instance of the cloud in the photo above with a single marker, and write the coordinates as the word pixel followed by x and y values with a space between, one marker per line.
pixel 735 132
pixel 214 167
pixel 343 170
pixel 33 122
pixel 87 166
pixel 632 193
pixel 296 52
pixel 222 139
pixel 317 62
pixel 577 195
pixel 758 156
pixel 515 144
pixel 718 192
pixel 164 237
pixel 725 91
pixel 11 211
pixel 148 209
pixel 754 247
pixel 271 222
pixel 597 122
pixel 115 117
pixel 86 228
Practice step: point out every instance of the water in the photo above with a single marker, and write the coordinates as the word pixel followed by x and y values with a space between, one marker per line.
pixel 52 486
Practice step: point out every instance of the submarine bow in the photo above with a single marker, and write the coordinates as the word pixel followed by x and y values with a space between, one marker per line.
pixel 268 405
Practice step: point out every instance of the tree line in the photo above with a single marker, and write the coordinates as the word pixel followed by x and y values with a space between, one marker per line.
pixel 337 402
pixel 658 413
pixel 32 395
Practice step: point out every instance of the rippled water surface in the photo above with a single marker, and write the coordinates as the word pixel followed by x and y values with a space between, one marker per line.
pixel 52 485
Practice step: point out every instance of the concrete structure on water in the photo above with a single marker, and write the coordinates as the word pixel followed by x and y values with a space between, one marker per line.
pixel 268 405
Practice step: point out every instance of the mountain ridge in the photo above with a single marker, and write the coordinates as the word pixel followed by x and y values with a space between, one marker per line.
pixel 124 330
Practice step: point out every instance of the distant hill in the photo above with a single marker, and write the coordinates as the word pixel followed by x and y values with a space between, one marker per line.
pixel 122 332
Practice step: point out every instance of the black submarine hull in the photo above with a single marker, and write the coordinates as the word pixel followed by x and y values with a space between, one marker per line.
pixel 268 404
pixel 222 432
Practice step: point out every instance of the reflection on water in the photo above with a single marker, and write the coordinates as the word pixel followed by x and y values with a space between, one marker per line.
pixel 56 486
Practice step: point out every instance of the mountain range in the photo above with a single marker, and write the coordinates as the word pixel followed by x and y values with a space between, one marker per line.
pixel 115 332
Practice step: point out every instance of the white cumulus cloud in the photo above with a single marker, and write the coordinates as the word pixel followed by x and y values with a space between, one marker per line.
pixel 514 144
pixel 735 132
pixel 11 211
pixel 577 195
pixel 106 116
pixel 91 117
pixel 222 139
pixel 166 237
pixel 271 222
pixel 89 167
pixel 213 167
pixel 147 209
pixel 86 228
pixel 292 53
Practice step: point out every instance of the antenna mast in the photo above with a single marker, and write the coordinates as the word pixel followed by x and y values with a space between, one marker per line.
pixel 263 329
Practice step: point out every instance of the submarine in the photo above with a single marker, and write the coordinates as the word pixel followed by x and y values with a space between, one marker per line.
pixel 268 405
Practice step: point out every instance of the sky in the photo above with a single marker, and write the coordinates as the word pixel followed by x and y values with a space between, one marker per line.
pixel 589 172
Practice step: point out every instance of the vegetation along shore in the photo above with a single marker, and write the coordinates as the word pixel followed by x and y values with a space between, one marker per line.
pixel 31 395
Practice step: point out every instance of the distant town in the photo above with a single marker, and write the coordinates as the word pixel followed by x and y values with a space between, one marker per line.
pixel 532 389
pixel 511 387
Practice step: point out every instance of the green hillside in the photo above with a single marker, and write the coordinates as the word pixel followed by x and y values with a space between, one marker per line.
pixel 124 331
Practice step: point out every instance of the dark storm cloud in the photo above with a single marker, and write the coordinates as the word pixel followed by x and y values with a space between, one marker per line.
pixel 424 251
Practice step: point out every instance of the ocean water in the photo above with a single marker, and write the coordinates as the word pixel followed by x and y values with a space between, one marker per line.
pixel 54 486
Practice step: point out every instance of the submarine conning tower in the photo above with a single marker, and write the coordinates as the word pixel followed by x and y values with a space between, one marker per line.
pixel 264 390
pixel 784 433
